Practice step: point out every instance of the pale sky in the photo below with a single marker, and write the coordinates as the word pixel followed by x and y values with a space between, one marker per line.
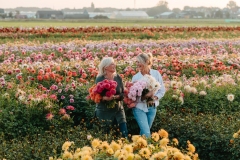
pixel 60 4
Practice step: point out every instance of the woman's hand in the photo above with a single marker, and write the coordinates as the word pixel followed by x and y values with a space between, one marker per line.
pixel 149 94
pixel 111 98
pixel 105 98
pixel 116 97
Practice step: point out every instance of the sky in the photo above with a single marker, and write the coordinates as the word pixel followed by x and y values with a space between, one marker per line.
pixel 121 4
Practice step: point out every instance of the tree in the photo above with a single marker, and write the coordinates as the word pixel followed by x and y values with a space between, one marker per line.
pixel 162 6
pixel 162 3
pixel 227 14
pixel 186 8
pixel 219 14
pixel 157 10
pixel 10 14
pixel 92 5
pixel 98 10
pixel 232 5
pixel 200 14
pixel 100 17
pixel 3 15
pixel 176 10
pixel 17 12
pixel 212 14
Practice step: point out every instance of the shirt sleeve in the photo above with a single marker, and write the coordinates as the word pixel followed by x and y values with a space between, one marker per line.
pixel 160 93
pixel 98 79
pixel 122 88
pixel 134 78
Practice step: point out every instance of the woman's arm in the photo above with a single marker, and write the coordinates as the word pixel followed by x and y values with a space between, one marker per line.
pixel 149 94
pixel 160 93
pixel 121 95
pixel 134 78
pixel 98 79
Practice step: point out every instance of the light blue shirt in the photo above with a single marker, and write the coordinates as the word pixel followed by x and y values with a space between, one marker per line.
pixel 160 93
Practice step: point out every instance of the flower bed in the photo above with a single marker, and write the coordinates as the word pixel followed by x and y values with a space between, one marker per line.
pixel 44 86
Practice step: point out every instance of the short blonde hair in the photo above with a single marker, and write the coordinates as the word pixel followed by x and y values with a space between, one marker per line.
pixel 105 62
pixel 146 59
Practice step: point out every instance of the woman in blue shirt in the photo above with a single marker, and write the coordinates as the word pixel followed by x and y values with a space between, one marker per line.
pixel 145 113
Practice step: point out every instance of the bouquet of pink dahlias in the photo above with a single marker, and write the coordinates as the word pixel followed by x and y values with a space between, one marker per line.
pixel 136 90
pixel 141 87
pixel 129 102
pixel 103 88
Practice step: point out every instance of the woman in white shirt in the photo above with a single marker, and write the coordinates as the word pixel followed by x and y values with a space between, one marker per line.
pixel 145 113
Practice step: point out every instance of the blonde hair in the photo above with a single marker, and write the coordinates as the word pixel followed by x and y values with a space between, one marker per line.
pixel 146 59
pixel 105 62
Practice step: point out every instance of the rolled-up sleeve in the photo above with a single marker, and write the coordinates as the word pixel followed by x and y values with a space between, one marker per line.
pixel 122 88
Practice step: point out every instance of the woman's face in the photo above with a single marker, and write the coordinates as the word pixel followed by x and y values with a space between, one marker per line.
pixel 140 66
pixel 111 68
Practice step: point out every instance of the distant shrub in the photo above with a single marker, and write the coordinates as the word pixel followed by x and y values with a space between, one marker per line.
pixel 100 17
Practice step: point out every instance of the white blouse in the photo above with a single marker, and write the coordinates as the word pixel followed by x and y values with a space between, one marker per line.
pixel 160 93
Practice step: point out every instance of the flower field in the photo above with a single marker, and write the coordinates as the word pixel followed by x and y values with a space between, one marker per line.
pixel 45 74
pixel 115 32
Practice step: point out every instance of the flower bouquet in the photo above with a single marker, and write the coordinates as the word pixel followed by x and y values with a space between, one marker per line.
pixel 129 102
pixel 140 88
pixel 103 88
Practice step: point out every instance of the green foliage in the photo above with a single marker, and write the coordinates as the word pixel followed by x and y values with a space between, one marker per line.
pixel 17 120
pixel 21 119
pixel 100 17
pixel 210 134
pixel 132 125
pixel 45 144
pixel 200 119
pixel 84 110
pixel 207 121
pixel 235 148
pixel 157 10
pixel 215 102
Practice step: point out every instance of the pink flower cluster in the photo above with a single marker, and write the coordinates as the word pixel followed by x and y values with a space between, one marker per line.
pixel 63 112
pixel 139 88
pixel 136 90
pixel 106 88
pixel 129 102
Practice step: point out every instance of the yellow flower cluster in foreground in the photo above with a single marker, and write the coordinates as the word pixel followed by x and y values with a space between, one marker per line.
pixel 158 147
pixel 237 134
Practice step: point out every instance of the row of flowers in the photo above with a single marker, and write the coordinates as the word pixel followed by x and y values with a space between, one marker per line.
pixel 38 68
pixel 158 147
pixel 36 77
pixel 145 34
pixel 40 30
pixel 50 96
pixel 44 66
pixel 181 47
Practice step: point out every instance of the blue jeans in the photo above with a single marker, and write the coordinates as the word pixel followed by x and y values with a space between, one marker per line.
pixel 145 119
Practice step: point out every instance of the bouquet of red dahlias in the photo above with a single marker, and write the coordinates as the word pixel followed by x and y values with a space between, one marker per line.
pixel 104 88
